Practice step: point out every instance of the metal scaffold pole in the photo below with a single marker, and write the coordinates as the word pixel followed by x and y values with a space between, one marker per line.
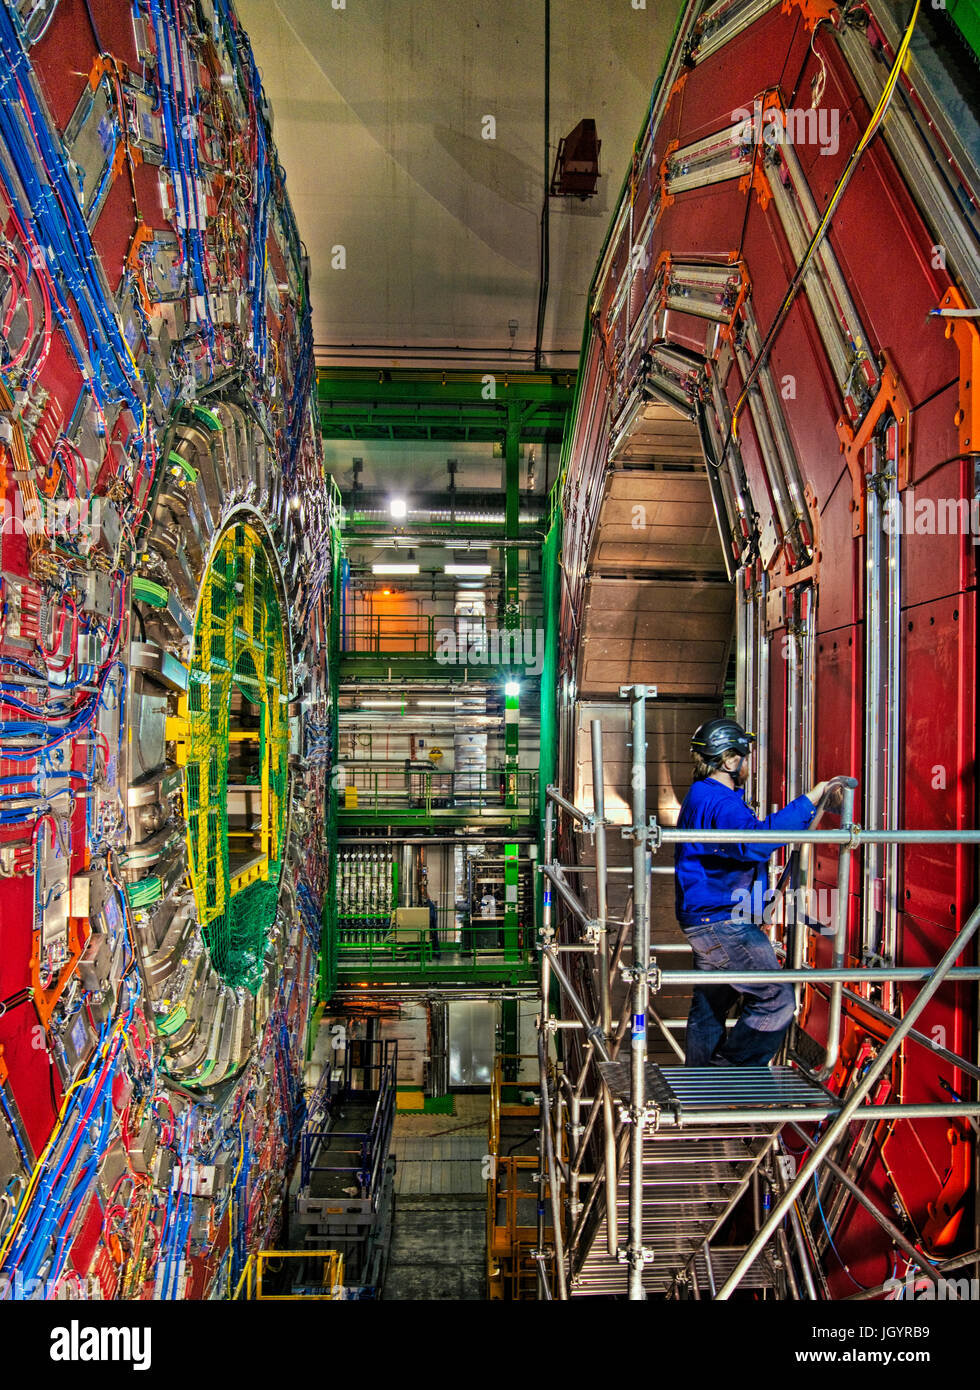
pixel 851 1105
pixel 608 1124
pixel 641 955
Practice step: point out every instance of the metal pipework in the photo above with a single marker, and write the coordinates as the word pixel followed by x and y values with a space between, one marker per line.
pixel 850 972
pixel 837 1126
pixel 960 1063
pixel 669 836
pixel 805 856
pixel 555 795
pixel 832 1048
pixel 601 869
pixel 567 894
pixel 641 960
pixel 593 1033
pixel 544 1291
pixel 549 1149
pixel 886 1225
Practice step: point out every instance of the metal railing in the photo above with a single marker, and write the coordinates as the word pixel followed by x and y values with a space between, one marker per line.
pixel 517 1249
pixel 598 1140
pixel 431 636
pixel 421 794
pixel 464 949
pixel 376 1063
pixel 308 1275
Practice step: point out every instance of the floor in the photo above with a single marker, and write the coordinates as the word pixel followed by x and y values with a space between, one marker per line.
pixel 438 1245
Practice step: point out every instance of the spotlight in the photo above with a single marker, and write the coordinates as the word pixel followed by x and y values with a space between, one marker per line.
pixel 512 689
pixel 399 508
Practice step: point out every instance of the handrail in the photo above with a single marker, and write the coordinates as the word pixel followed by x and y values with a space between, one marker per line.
pixel 426 790
pixel 251 1278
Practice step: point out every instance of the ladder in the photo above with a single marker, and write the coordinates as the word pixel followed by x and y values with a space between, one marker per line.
pixel 697 1162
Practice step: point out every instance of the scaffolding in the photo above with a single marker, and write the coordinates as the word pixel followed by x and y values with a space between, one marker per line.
pixel 668 1153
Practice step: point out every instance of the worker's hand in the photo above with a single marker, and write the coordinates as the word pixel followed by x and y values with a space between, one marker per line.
pixel 815 793
pixel 835 798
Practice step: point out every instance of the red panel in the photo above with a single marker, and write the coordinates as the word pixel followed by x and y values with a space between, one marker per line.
pixel 762 57
pixel 69 48
pixel 841 597
pixel 704 223
pixel 839 719
pixel 938 681
pixel 935 565
pixel 876 225
pixel 776 755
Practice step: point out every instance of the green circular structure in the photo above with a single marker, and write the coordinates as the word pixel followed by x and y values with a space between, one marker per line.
pixel 234 745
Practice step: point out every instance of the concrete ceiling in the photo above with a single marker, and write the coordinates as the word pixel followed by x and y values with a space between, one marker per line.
pixel 379 114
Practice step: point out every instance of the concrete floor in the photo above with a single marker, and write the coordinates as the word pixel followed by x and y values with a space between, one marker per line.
pixel 438 1245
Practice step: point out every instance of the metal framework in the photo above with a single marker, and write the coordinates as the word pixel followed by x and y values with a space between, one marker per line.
pixel 443 405
pixel 637 1123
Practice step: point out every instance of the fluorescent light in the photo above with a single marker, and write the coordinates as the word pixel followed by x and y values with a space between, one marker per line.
pixel 437 704
pixel 381 704
pixel 475 570
pixel 399 508
pixel 394 569
pixel 512 688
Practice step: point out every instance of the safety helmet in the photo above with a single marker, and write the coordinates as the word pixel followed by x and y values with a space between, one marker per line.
pixel 719 736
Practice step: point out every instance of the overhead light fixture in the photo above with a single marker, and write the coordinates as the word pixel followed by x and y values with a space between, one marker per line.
pixel 471 570
pixel 381 704
pixel 512 689
pixel 399 508
pixel 394 569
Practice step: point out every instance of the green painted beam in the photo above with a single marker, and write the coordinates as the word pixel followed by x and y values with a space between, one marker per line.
pixel 436 406
pixel 354 666
pixel 446 976
pixel 460 387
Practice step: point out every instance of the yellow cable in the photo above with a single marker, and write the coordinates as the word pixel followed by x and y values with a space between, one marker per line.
pixel 824 222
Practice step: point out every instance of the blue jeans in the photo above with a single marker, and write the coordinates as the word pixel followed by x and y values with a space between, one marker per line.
pixel 767 1009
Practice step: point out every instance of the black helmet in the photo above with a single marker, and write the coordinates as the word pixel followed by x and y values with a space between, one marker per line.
pixel 720 736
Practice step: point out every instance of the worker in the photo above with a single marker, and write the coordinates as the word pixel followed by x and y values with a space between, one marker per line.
pixel 713 884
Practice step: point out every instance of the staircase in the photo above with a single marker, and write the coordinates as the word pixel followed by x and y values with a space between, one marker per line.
pixel 696 1165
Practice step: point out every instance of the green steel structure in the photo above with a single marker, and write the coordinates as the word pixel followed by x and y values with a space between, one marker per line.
pixel 510 410
pixel 452 406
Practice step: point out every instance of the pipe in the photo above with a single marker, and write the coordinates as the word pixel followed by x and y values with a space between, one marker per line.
pixel 837 1126
pixel 882 1220
pixel 947 1267
pixel 554 876
pixel 549 829
pixel 555 795
pixel 960 1063
pixel 593 1032
pixel 904 973
pixel 931 1110
pixel 545 248
pixel 667 835
pixel 667 1034
pixel 641 961
pixel 601 867
pixel 477 839
pixel 552 1172
pixel 832 1049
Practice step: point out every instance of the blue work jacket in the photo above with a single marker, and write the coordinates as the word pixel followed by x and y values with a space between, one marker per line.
pixel 713 882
